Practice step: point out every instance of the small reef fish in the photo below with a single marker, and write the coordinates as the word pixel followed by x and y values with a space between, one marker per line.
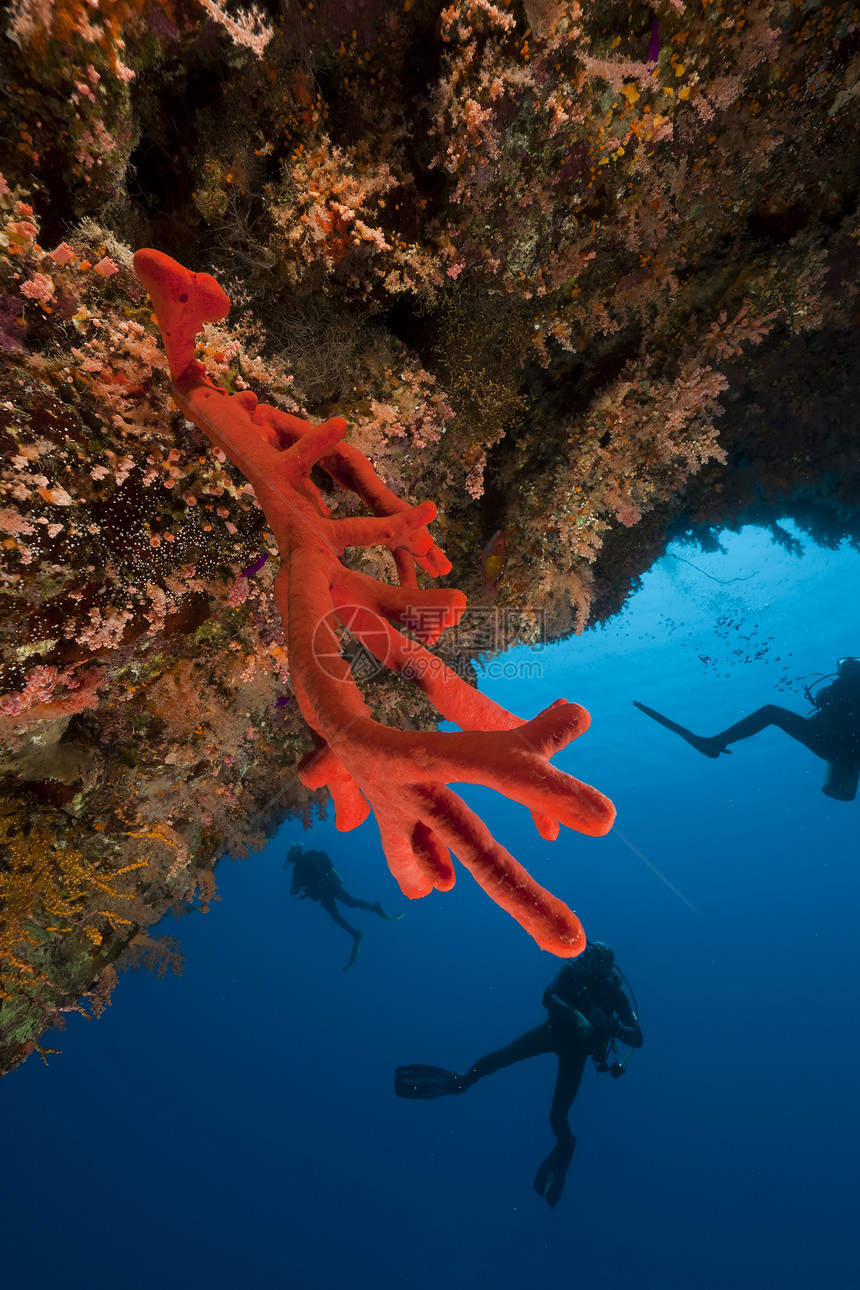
pixel 494 557
pixel 255 567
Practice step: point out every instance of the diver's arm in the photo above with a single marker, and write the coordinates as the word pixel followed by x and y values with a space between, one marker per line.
pixel 561 1006
pixel 553 1001
pixel 565 982
pixel 625 1024
pixel 557 1007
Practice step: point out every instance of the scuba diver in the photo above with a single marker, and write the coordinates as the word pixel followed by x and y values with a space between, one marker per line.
pixel 832 732
pixel 587 1011
pixel 315 878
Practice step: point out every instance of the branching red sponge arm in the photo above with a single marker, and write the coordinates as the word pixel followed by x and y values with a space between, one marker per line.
pixel 183 301
pixel 402 775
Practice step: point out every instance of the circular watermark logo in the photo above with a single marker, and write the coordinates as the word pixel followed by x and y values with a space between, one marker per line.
pixel 368 652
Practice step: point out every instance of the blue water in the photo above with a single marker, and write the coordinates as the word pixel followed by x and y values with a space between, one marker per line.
pixel 237 1126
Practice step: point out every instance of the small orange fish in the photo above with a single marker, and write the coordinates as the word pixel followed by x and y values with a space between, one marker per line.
pixel 494 557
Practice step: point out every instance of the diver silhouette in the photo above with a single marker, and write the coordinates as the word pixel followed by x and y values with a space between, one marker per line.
pixel 832 732
pixel 315 878
pixel 587 1011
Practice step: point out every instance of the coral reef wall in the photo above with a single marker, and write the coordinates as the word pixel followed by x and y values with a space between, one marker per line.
pixel 583 273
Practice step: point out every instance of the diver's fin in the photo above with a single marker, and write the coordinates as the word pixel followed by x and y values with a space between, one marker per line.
pixel 550 1178
pixel 390 918
pixel 421 1082
pixel 710 747
pixel 355 947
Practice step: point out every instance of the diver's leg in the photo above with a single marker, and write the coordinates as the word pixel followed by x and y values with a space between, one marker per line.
pixel 354 903
pixel 802 729
pixel 799 728
pixel 550 1177
pixel 571 1064
pixel 531 1044
pixel 336 916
